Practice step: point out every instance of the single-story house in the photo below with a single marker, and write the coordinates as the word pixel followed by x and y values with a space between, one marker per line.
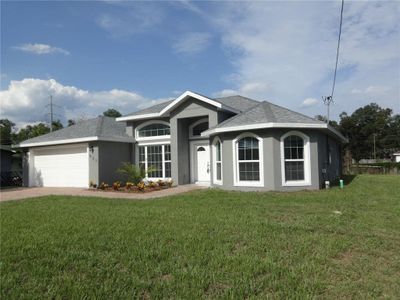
pixel 396 156
pixel 233 143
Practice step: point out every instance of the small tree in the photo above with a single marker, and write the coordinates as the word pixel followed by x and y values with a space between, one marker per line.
pixel 111 112
pixel 133 173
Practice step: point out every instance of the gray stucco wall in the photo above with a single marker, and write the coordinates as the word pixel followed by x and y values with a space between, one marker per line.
pixel 106 159
pixel 272 160
pixel 180 119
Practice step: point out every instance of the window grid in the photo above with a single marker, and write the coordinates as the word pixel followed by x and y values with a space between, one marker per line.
pixel 294 158
pixel 248 159
pixel 218 162
pixel 157 129
pixel 158 156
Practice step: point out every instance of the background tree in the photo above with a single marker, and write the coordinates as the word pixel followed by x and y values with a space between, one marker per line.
pixel 111 112
pixel 71 122
pixel 333 123
pixel 363 125
pixel 6 132
pixel 31 131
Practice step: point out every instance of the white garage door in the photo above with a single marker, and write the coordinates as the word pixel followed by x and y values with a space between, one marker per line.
pixel 62 166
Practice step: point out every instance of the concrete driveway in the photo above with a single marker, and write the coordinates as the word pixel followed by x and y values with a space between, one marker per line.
pixel 23 193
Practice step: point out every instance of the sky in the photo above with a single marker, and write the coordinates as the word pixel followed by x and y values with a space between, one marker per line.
pixel 94 55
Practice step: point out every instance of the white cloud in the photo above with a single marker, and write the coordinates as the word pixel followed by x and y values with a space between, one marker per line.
pixel 192 43
pixel 41 49
pixel 290 48
pixel 309 102
pixel 130 18
pixel 24 101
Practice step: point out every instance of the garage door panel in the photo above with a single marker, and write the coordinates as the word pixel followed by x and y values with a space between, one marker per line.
pixel 59 167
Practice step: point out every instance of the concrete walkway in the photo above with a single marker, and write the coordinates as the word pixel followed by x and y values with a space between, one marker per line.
pixel 23 193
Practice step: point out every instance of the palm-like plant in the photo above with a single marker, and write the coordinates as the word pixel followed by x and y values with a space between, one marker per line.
pixel 134 173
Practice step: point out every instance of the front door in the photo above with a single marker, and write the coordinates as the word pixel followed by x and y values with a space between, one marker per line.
pixel 203 163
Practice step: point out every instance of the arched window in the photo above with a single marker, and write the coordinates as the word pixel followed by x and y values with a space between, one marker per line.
pixel 198 127
pixel 217 157
pixel 295 159
pixel 248 169
pixel 153 129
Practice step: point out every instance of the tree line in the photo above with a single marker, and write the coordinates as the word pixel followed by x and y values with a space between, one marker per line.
pixel 371 130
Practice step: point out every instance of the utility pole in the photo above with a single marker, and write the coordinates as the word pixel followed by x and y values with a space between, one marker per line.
pixel 327 101
pixel 51 113
pixel 374 135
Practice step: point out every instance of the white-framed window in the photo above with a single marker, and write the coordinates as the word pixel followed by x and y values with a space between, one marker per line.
pixel 295 159
pixel 152 130
pixel 248 162
pixel 197 128
pixel 157 156
pixel 217 157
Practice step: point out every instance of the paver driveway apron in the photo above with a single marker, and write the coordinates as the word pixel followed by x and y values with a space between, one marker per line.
pixel 22 193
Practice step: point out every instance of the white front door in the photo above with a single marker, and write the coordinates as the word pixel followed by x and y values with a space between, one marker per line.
pixel 203 163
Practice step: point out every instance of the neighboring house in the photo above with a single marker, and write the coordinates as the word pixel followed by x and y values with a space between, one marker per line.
pixel 396 156
pixel 11 165
pixel 232 142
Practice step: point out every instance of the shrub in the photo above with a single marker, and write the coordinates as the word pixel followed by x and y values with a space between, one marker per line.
pixel 116 185
pixel 129 185
pixel 152 184
pixel 161 182
pixel 134 174
pixel 103 186
pixel 170 183
pixel 141 186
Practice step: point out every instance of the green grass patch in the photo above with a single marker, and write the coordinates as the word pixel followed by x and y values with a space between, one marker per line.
pixel 207 244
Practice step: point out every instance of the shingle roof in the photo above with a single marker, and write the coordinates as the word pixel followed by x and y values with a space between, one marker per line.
pixel 237 102
pixel 266 112
pixel 101 127
pixel 152 109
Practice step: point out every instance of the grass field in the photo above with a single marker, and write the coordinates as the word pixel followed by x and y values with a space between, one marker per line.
pixel 207 244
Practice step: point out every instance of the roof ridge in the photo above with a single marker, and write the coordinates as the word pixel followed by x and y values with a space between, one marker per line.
pixel 238 115
pixel 308 117
pixel 99 125
pixel 267 109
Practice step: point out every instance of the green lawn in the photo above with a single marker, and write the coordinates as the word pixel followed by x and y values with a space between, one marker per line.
pixel 207 244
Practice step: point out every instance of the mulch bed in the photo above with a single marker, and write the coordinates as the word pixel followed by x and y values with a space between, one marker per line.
pixel 131 190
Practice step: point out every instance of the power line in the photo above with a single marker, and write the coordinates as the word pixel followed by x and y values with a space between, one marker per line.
pixel 338 48
pixel 328 100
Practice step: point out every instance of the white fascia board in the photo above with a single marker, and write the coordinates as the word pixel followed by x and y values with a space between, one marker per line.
pixel 175 103
pixel 193 95
pixel 273 125
pixel 78 140
pixel 137 117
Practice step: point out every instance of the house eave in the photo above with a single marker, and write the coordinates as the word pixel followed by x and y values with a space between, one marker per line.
pixel 217 130
pixel 74 141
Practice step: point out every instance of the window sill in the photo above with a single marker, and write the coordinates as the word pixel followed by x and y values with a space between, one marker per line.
pixel 151 138
pixel 249 183
pixel 296 183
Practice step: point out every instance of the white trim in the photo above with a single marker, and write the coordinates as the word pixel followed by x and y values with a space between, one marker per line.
pixel 151 138
pixel 306 159
pixel 273 125
pixel 158 142
pixel 194 137
pixel 177 101
pixel 163 161
pixel 137 117
pixel 193 158
pixel 77 140
pixel 214 160
pixel 235 161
